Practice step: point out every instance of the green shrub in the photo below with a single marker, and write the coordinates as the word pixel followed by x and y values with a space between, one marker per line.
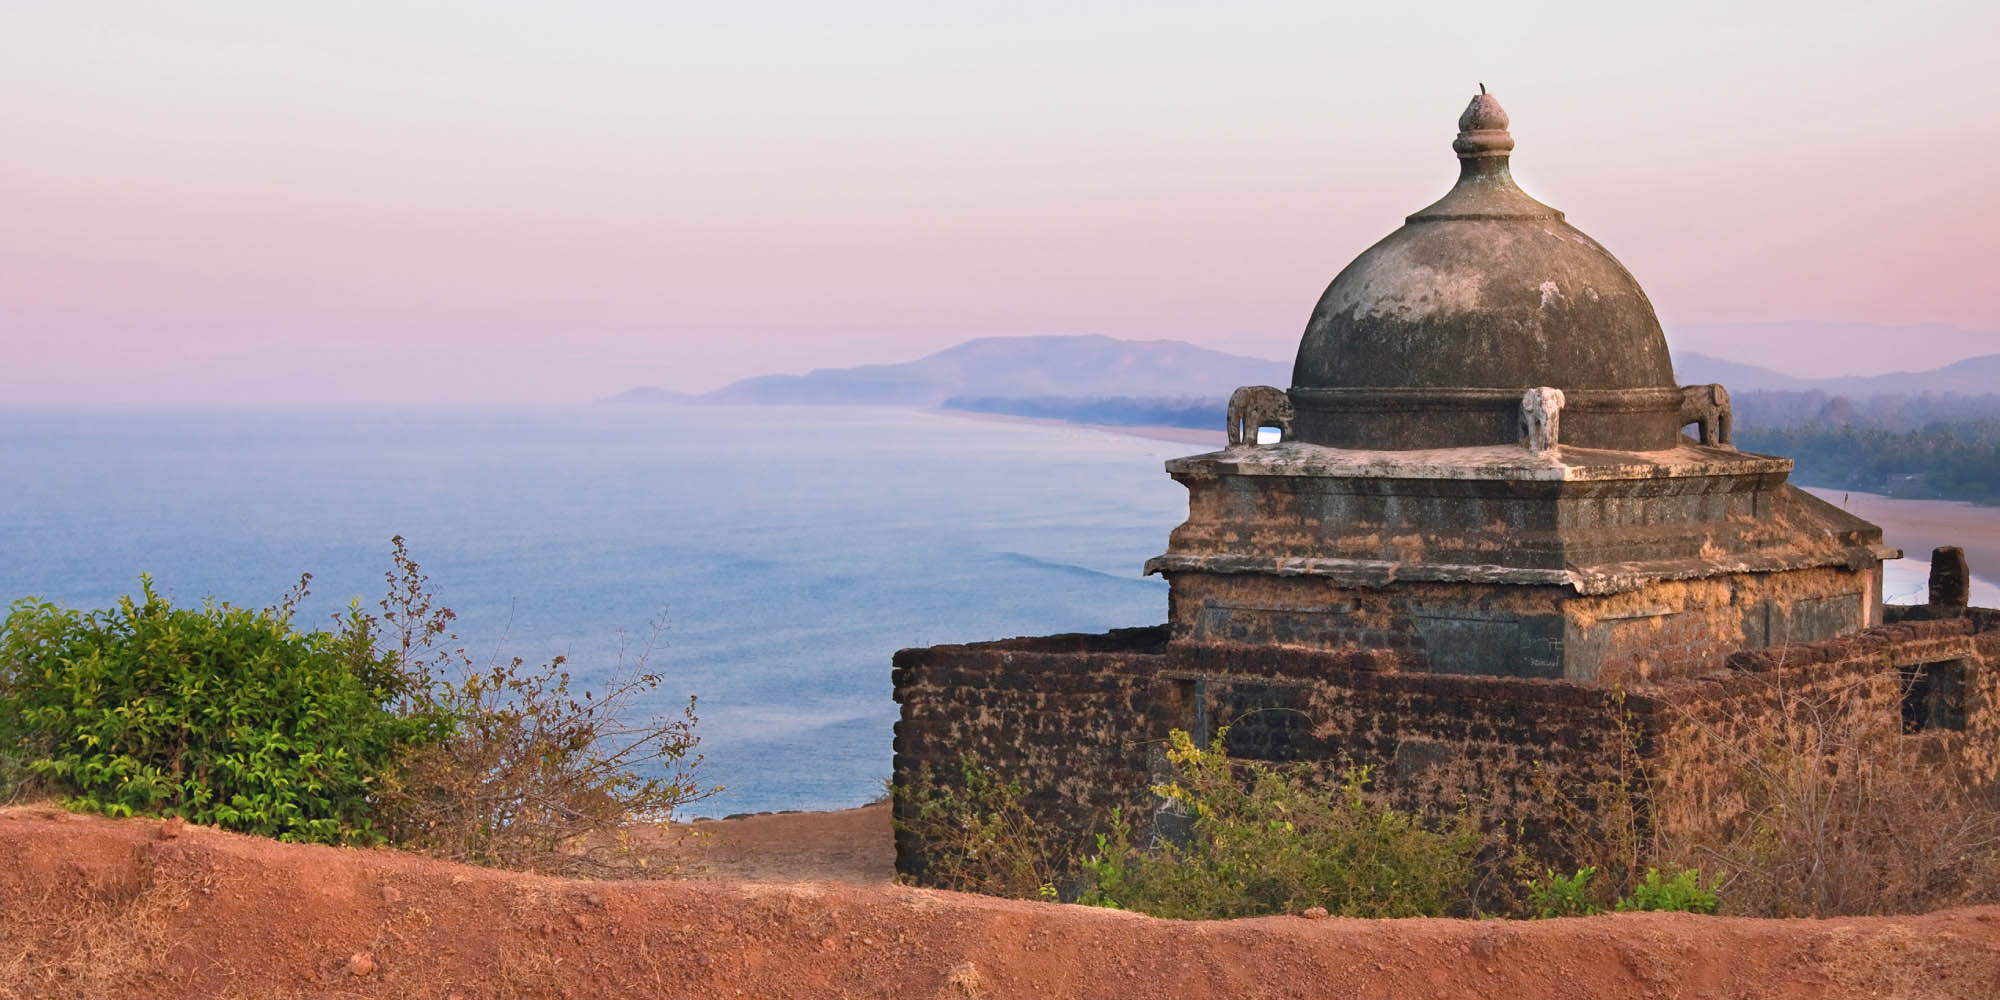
pixel 1551 895
pixel 1682 892
pixel 1266 842
pixel 977 833
pixel 381 729
pixel 224 715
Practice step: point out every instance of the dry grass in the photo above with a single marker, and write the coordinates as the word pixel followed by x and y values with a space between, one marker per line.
pixel 91 935
pixel 1836 810
pixel 535 776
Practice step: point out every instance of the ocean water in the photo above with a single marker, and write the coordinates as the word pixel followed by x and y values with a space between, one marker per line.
pixel 790 550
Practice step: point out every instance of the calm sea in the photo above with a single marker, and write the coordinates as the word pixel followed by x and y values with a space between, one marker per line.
pixel 789 551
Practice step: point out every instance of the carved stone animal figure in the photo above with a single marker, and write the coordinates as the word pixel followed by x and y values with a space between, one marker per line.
pixel 1255 406
pixel 1541 419
pixel 1707 405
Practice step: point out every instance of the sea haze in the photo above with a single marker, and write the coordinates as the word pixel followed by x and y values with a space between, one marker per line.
pixel 793 549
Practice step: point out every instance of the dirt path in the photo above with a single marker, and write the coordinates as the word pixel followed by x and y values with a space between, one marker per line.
pixel 91 907
pixel 853 846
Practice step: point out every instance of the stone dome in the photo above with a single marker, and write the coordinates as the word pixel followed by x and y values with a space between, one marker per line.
pixel 1429 338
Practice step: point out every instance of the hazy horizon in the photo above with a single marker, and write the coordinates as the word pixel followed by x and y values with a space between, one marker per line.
pixel 223 202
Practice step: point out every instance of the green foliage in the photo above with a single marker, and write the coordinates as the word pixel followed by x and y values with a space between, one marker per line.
pixel 224 715
pixel 380 729
pixel 1267 842
pixel 1551 895
pixel 1682 892
pixel 977 833
pixel 1954 461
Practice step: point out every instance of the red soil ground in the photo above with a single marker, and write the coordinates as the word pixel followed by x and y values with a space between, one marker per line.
pixel 91 907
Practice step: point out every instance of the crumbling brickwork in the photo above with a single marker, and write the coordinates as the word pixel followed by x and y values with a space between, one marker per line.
pixel 1081 720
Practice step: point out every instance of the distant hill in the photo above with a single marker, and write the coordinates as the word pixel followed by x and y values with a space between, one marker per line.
pixel 648 394
pixel 1019 367
pixel 1970 377
pixel 1097 367
pixel 1817 349
pixel 1692 368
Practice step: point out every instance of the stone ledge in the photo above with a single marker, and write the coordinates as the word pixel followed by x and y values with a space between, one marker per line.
pixel 1491 462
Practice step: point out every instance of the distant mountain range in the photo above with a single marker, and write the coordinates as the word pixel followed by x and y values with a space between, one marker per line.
pixel 649 394
pixel 1008 367
pixel 1820 349
pixel 1097 366
pixel 1972 377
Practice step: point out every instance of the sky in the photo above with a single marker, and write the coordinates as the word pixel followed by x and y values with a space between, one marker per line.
pixel 246 203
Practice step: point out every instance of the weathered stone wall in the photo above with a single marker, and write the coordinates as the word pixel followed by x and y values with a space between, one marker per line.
pixel 1676 629
pixel 1436 741
pixel 1931 682
pixel 1442 627
pixel 1068 716
pixel 1081 721
pixel 1650 633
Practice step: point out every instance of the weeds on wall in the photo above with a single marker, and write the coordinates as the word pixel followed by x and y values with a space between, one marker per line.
pixel 1598 830
pixel 1797 797
pixel 380 729
pixel 977 833
pixel 1679 891
pixel 1265 841
pixel 1830 808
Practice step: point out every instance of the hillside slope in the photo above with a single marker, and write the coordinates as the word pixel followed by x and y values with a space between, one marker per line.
pixel 1020 366
pixel 92 907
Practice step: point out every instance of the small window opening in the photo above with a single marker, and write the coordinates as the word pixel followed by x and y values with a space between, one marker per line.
pixel 1270 434
pixel 1934 696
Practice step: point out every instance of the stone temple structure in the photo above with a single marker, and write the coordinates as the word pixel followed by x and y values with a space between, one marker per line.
pixel 1492 534
pixel 1483 468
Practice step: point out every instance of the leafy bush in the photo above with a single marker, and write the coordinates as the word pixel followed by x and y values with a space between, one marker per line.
pixel 977 833
pixel 1267 842
pixel 1551 895
pixel 1682 892
pixel 380 729
pixel 221 714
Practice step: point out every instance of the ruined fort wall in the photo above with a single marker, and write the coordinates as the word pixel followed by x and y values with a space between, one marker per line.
pixel 1082 721
pixel 1067 716
pixel 1925 685
pixel 1437 742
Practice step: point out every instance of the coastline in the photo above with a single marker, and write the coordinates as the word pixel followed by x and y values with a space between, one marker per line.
pixel 1185 435
pixel 1918 526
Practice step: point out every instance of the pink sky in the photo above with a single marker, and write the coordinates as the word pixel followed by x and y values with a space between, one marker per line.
pixel 254 203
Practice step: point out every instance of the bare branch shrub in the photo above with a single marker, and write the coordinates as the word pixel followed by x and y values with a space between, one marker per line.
pixel 1600 825
pixel 533 777
pixel 977 833
pixel 1811 799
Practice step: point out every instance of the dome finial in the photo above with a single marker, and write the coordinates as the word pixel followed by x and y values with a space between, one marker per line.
pixel 1482 129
